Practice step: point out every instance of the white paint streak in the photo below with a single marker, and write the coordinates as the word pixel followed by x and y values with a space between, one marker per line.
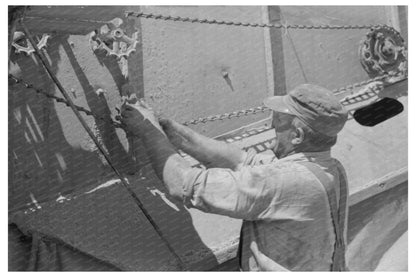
pixel 31 130
pixel 34 201
pixel 35 123
pixel 38 159
pixel 268 53
pixel 59 176
pixel 105 185
pixel 163 196
pixel 27 137
pixel 61 199
pixel 61 160
pixel 18 115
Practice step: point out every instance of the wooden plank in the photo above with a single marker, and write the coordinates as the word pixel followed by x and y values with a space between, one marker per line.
pixel 78 20
pixel 379 185
pixel 277 54
pixel 392 13
pixel 136 83
pixel 397 18
pixel 38 25
pixel 403 21
pixel 84 13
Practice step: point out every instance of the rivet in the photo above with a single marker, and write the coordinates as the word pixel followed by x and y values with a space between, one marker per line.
pixel 100 91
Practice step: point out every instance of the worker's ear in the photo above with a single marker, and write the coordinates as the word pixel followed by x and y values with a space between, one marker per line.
pixel 298 136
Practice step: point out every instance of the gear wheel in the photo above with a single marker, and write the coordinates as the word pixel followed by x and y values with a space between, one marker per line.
pixel 22 44
pixel 383 51
pixel 112 39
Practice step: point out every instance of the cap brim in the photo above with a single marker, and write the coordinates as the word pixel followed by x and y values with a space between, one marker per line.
pixel 278 104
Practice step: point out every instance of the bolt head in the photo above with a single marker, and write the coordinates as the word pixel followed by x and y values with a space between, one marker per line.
pixel 100 91
pixel 118 33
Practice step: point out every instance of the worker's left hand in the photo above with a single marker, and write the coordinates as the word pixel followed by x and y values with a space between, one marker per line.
pixel 264 263
pixel 374 87
pixel 134 116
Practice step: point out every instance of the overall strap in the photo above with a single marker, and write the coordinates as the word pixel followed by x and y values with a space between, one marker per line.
pixel 337 215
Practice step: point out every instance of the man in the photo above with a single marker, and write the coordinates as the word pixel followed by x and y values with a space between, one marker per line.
pixel 286 200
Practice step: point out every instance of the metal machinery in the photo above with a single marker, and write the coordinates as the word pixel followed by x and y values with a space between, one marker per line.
pixel 65 201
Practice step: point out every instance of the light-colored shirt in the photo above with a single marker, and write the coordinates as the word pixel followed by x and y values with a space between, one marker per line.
pixel 284 207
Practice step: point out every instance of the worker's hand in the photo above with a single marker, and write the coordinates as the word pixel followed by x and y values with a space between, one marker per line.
pixel 374 87
pixel 179 135
pixel 134 116
pixel 264 262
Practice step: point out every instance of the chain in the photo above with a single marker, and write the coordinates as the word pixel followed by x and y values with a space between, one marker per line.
pixel 262 109
pixel 362 95
pixel 61 100
pixel 218 117
pixel 240 113
pixel 246 24
pixel 350 99
pixel 366 82
pixel 118 125
pixel 234 114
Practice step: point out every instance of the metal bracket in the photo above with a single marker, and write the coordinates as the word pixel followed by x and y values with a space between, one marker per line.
pixel 113 40
pixel 22 44
pixel 383 51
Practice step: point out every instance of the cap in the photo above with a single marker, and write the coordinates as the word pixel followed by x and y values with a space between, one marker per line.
pixel 316 106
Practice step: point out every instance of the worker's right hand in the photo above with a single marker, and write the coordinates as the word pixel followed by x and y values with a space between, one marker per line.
pixel 134 116
pixel 179 135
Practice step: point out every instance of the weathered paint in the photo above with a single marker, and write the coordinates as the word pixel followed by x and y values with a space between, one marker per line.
pixel 375 225
pixel 185 71
pixel 52 153
pixel 117 234
pixel 107 224
pixel 69 19
pixel 326 57
pixel 184 65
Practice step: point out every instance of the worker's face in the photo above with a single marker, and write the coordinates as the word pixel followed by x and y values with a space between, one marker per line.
pixel 282 123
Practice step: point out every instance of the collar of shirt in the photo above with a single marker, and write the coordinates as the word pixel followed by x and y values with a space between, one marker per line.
pixel 308 156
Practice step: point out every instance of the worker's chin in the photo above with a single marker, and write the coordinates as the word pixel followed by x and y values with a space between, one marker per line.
pixel 277 154
pixel 274 146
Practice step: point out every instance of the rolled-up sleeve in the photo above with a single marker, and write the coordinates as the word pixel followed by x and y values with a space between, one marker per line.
pixel 243 194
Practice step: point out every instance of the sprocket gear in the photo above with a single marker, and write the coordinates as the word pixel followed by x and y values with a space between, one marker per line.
pixel 113 40
pixel 22 44
pixel 383 51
